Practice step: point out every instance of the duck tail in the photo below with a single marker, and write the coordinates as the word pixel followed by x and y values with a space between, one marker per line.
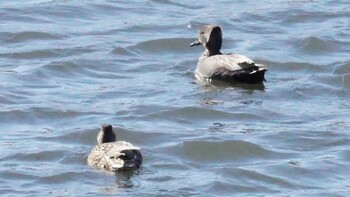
pixel 257 76
pixel 261 66
pixel 132 160
pixel 259 70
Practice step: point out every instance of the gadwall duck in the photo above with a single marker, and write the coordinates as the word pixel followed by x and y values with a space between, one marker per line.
pixel 112 155
pixel 212 64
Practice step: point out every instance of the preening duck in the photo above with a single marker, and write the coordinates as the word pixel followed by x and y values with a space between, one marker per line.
pixel 232 68
pixel 112 155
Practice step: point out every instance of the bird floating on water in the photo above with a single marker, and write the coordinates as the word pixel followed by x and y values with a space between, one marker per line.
pixel 112 155
pixel 212 64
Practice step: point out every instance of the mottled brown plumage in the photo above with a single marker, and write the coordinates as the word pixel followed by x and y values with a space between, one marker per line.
pixel 112 155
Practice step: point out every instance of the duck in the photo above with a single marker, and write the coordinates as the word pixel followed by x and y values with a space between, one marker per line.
pixel 214 65
pixel 112 155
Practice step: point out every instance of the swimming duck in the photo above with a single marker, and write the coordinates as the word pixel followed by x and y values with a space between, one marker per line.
pixel 212 64
pixel 113 155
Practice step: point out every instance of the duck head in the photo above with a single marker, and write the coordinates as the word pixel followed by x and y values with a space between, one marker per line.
pixel 210 36
pixel 106 134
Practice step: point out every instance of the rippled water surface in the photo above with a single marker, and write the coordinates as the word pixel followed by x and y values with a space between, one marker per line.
pixel 67 66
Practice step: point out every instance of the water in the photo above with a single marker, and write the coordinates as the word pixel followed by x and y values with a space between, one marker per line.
pixel 66 67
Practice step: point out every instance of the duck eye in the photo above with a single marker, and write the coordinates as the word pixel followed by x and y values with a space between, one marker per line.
pixel 202 32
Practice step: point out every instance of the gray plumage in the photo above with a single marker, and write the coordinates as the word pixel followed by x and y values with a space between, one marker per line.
pixel 212 64
pixel 114 155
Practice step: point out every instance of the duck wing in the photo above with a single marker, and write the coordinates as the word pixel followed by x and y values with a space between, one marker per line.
pixel 115 156
pixel 116 150
pixel 229 67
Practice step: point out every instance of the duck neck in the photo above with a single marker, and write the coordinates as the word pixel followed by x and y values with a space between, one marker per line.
pixel 104 137
pixel 208 53
pixel 216 52
pixel 108 137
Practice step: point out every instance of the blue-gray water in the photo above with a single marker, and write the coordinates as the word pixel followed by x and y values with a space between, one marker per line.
pixel 67 66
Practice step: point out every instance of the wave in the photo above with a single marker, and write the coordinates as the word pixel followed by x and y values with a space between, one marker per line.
pixel 31 36
pixel 227 151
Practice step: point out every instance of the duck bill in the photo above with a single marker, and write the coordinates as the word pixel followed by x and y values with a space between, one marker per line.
pixel 195 43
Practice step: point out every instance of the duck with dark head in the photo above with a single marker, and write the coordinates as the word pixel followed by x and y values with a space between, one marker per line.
pixel 232 68
pixel 112 155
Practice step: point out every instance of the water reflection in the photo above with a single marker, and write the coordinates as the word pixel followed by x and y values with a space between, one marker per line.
pixel 124 179
pixel 210 92
pixel 216 84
